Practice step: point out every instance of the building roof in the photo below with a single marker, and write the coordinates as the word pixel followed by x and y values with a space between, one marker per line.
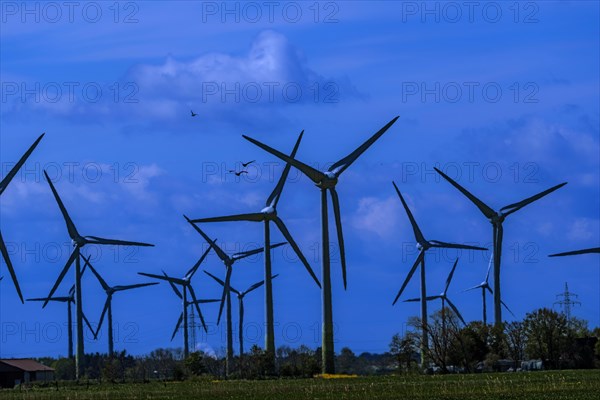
pixel 26 364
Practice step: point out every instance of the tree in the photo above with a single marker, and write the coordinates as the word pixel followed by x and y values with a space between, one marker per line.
pixel 442 331
pixel 195 363
pixel 346 361
pixel 547 333
pixel 471 345
pixel 516 339
pixel 403 348
pixel 64 369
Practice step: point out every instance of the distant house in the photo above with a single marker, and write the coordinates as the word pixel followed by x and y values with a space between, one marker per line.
pixel 21 370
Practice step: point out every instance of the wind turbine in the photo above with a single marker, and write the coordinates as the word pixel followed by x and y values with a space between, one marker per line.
pixel 240 296
pixel 576 252
pixel 3 185
pixel 486 286
pixel 79 242
pixel 327 181
pixel 70 299
pixel 186 286
pixel 267 215
pixel 423 245
pixel 110 291
pixel 444 296
pixel 226 298
pixel 496 218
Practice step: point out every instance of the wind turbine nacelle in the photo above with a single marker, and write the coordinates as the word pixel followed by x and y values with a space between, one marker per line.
pixel 419 246
pixel 269 210
pixel 329 181
pixel 497 219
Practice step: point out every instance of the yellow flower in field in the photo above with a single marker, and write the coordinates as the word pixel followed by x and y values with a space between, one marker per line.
pixel 335 376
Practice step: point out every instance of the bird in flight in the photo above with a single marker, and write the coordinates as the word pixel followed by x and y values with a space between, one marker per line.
pixel 193 113
pixel 248 163
pixel 237 173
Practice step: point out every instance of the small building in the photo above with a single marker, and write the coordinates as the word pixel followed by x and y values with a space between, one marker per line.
pixel 532 365
pixel 22 370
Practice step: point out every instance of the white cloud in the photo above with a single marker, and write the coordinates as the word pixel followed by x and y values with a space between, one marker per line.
pixel 582 229
pixel 137 183
pixel 379 216
pixel 217 85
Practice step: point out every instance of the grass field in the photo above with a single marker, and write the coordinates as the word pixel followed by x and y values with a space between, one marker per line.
pixel 532 385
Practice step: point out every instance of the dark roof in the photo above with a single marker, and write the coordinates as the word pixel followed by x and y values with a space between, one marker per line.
pixel 26 364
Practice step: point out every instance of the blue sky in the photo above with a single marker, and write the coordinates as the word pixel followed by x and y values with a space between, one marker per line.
pixel 504 99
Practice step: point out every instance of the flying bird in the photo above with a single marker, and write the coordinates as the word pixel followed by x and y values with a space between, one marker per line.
pixel 193 113
pixel 237 173
pixel 248 163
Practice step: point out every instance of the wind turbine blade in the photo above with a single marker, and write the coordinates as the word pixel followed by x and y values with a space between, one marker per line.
pixel 193 270
pixel 177 292
pixel 345 162
pixel 87 322
pixel 129 287
pixel 428 298
pixel 73 234
pixel 62 274
pixel 257 285
pixel 284 231
pixel 437 243
pixel 220 282
pixel 418 234
pixel 449 279
pixel 205 301
pixel 409 276
pixel 11 174
pixel 164 277
pixel 226 288
pixel 517 206
pixel 256 217
pixel 508 309
pixel 177 326
pixel 197 305
pixel 276 193
pixel 338 224
pixel 314 175
pixel 239 256
pixel 57 299
pixel 456 311
pixel 103 315
pixel 484 208
pixel 10 267
pixel 575 252
pixel 490 264
pixel 472 288
pixel 102 281
pixel 99 240
pixel 222 255
pixel 414 300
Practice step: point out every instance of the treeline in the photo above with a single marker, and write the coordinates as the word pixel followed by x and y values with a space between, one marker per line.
pixel 543 335
pixel 169 364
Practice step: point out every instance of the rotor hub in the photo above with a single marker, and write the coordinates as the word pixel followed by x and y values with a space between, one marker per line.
pixel 329 181
pixel 269 211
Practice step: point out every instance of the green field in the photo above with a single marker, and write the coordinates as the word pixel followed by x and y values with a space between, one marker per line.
pixel 532 385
